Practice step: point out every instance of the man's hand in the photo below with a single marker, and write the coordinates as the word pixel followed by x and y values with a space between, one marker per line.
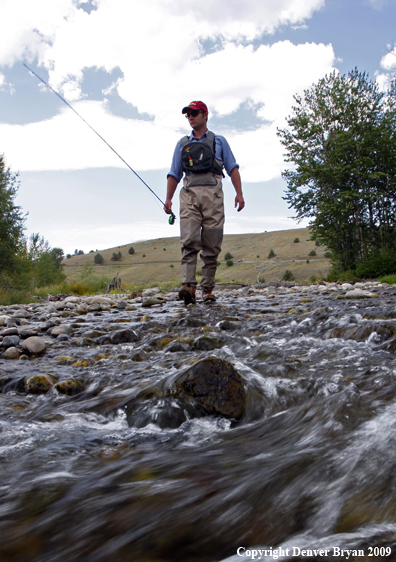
pixel 239 202
pixel 168 206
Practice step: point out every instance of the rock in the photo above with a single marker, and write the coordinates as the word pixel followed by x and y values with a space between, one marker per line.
pixel 10 341
pixel 10 332
pixel 12 353
pixel 40 384
pixel 34 345
pixel 62 329
pixel 69 387
pixel 21 314
pixel 124 336
pixel 151 301
pixel 94 307
pixel 26 333
pixel 74 300
pixel 150 292
pixel 63 337
pixel 215 385
pixel 359 294
pixel 3 319
pixel 206 343
pixel 100 300
pixel 121 305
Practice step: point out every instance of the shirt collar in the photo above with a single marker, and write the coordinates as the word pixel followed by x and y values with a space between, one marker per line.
pixel 192 138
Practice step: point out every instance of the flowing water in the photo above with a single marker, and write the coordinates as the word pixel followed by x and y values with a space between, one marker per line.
pixel 310 466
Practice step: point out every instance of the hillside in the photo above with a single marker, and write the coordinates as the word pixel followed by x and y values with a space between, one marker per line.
pixel 158 260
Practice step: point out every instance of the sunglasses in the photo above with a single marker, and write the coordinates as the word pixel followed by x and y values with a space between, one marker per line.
pixel 192 113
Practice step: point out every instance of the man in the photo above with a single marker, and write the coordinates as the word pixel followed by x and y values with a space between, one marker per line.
pixel 202 157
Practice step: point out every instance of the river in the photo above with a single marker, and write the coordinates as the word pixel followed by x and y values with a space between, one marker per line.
pixel 307 472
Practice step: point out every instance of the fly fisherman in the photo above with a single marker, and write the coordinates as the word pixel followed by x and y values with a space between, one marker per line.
pixel 202 157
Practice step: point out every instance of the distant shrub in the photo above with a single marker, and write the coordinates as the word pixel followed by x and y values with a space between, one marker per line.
pixel 98 258
pixel 313 279
pixel 164 249
pixel 271 254
pixel 228 256
pixel 131 250
pixel 91 251
pixel 144 255
pixel 327 255
pixel 296 240
pixel 229 263
pixel 317 243
pixel 261 280
pixel 257 256
pixel 376 265
pixel 312 253
pixel 116 256
pixel 68 256
pixel 171 265
pixel 218 262
pixel 288 276
pixel 307 260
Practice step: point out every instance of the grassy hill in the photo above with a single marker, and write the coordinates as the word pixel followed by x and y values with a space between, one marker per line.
pixel 159 260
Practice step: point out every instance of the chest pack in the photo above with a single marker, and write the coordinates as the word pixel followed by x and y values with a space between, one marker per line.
pixel 199 157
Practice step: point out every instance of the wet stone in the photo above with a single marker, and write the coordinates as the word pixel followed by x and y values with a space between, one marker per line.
pixel 10 332
pixel 10 341
pixel 69 387
pixel 40 384
pixel 124 336
pixel 12 353
pixel 216 386
pixel 34 345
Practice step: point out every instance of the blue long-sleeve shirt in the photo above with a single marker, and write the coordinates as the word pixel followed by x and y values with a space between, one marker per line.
pixel 223 154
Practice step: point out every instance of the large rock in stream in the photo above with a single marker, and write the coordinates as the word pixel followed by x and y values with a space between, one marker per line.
pixel 211 386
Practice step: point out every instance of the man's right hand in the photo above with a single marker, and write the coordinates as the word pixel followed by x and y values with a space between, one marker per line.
pixel 168 206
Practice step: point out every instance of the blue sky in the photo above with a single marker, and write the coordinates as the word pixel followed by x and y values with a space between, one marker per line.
pixel 129 67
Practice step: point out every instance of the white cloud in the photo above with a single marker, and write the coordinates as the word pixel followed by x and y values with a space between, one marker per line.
pixel 157 46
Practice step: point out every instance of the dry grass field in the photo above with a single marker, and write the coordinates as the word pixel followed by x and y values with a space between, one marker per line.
pixel 158 260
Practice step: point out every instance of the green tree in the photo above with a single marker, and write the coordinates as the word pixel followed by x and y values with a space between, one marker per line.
pixel 271 254
pixel 11 220
pixel 98 258
pixel 228 256
pixel 132 250
pixel 341 139
pixel 116 256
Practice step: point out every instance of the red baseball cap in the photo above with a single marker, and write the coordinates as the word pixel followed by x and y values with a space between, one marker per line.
pixel 199 105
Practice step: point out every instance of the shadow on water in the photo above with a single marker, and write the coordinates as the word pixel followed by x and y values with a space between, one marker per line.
pixel 133 460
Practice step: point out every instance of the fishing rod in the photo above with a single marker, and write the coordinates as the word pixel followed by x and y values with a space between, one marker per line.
pixel 172 217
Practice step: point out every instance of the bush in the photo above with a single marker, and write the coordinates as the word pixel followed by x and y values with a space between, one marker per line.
pixel 131 250
pixel 261 280
pixel 229 263
pixel 271 254
pixel 307 260
pixel 313 279
pixel 317 243
pixel 228 256
pixel 98 258
pixel 327 255
pixel 377 265
pixel 296 240
pixel 312 253
pixel 116 256
pixel 288 276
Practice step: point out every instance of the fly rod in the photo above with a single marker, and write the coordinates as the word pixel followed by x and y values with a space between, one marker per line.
pixel 172 217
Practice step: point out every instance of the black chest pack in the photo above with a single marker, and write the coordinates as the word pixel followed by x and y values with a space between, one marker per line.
pixel 199 157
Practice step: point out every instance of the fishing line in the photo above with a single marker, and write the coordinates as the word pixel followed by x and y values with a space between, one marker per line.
pixel 172 217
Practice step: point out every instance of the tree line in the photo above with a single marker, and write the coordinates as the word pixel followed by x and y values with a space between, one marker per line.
pixel 25 263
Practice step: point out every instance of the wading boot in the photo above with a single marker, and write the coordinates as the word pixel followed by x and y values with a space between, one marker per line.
pixel 187 294
pixel 208 296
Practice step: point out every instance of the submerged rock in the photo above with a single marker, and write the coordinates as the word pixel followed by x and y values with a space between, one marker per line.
pixel 39 384
pixel 69 387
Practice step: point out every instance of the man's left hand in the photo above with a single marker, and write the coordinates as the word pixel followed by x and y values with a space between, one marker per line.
pixel 239 203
